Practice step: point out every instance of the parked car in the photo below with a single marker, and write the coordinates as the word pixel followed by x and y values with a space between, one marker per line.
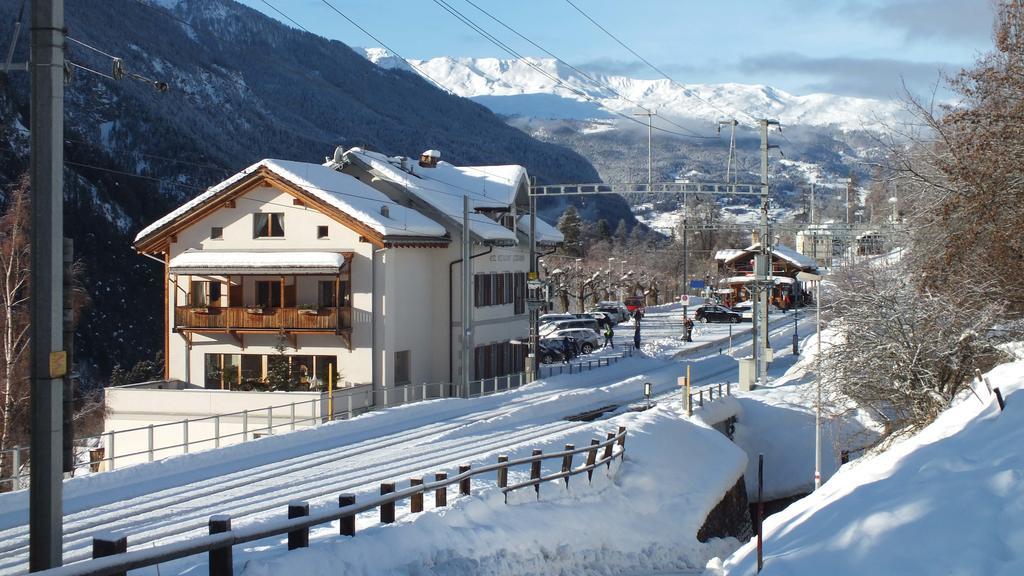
pixel 616 310
pixel 548 318
pixel 634 304
pixel 550 351
pixel 709 313
pixel 563 348
pixel 586 339
pixel 745 308
pixel 552 327
pixel 603 318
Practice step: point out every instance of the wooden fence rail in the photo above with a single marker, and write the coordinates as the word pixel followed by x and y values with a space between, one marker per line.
pixel 110 555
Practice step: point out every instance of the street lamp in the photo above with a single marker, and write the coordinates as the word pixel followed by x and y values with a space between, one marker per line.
pixel 808 277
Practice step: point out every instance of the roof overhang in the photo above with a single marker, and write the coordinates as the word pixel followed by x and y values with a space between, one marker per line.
pixel 220 263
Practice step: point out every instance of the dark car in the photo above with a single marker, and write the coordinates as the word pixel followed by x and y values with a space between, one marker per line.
pixel 717 314
pixel 550 351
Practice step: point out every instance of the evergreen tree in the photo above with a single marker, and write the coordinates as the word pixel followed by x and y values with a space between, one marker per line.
pixel 604 231
pixel 571 228
pixel 621 233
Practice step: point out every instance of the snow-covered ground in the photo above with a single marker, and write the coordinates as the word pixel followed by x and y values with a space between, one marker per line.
pixel 945 501
pixel 949 500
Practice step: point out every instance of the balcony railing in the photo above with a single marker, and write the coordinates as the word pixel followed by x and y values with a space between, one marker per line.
pixel 255 318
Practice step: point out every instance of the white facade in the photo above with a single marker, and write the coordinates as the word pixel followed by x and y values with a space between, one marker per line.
pixel 388 315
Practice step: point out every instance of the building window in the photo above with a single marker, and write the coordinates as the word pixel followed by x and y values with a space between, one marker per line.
pixel 325 294
pixel 204 293
pixel 268 293
pixel 403 368
pixel 321 232
pixel 217 233
pixel 268 225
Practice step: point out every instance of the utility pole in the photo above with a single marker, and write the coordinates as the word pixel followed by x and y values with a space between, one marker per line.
pixel 686 255
pixel 467 295
pixel 762 267
pixel 650 154
pixel 531 360
pixel 49 362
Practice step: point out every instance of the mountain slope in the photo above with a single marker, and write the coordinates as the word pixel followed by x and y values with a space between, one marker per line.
pixel 242 87
pixel 512 82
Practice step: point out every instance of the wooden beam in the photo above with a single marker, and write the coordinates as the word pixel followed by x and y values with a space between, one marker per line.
pixel 168 315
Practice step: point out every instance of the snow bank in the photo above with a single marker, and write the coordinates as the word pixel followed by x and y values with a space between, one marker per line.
pixel 948 500
pixel 644 517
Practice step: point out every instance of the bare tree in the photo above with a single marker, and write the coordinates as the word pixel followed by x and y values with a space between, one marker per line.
pixel 903 353
pixel 14 324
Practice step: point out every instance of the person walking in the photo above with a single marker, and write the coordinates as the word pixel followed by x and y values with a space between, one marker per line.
pixel 608 335
pixel 687 330
pixel 636 336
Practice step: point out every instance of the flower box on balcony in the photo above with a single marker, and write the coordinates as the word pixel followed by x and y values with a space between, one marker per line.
pixel 254 310
pixel 202 309
pixel 309 311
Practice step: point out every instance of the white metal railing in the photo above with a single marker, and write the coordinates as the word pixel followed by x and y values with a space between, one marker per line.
pixel 99 452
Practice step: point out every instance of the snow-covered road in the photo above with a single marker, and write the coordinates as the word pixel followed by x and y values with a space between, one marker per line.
pixel 173 499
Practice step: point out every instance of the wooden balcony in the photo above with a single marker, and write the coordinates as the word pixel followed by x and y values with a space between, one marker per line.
pixel 248 319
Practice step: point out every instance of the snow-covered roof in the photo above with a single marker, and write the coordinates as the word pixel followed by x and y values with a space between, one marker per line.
pixel 444 186
pixel 727 254
pixel 749 279
pixel 260 262
pixel 787 253
pixel 340 191
pixel 546 233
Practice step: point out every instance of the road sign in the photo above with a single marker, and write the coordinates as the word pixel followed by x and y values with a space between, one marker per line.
pixel 684 299
pixel 697 284
pixel 534 304
pixel 531 276
pixel 535 284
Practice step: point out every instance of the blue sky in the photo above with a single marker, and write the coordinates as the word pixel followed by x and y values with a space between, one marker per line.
pixel 851 47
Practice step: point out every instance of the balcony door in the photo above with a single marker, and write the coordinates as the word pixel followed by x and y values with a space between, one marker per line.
pixel 268 293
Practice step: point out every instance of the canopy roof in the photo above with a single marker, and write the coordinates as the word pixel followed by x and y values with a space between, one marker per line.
pixel 202 262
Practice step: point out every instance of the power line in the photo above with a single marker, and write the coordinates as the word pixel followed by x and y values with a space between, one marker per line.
pixel 686 90
pixel 558 81
pixel 386 47
pixel 287 17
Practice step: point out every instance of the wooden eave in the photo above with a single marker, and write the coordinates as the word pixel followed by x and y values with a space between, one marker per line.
pixel 160 240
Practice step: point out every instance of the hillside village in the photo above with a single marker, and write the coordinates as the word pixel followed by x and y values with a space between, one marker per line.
pixel 271 304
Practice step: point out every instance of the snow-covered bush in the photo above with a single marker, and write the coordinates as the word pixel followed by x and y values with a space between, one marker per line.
pixel 904 353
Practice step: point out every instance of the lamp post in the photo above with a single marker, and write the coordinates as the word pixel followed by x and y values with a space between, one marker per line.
pixel 804 277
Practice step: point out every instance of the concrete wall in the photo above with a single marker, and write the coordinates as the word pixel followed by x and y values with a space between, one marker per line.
pixel 132 411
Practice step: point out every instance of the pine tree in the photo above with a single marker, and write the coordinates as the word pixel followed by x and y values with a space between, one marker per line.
pixel 571 228
pixel 621 233
pixel 604 231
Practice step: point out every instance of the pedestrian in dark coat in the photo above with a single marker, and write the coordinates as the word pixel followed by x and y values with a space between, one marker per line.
pixel 688 330
pixel 636 336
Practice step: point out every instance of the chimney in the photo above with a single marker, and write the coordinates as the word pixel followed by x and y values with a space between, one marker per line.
pixel 429 158
pixel 385 211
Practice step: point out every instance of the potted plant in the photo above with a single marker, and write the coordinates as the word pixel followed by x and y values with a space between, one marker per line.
pixel 200 308
pixel 309 309
pixel 254 309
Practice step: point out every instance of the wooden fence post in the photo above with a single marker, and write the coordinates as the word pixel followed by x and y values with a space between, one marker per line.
pixel 592 459
pixel 347 524
pixel 416 500
pixel 503 471
pixel 220 559
pixel 567 462
pixel 298 538
pixel 441 494
pixel 608 449
pixel 622 438
pixel 535 469
pixel 464 483
pixel 387 509
pixel 109 544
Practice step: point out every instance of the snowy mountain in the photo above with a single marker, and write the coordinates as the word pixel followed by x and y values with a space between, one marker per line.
pixel 519 88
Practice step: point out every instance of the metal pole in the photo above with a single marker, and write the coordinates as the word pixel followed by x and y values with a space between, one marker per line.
pixel 49 363
pixel 532 359
pixel 467 292
pixel 69 345
pixel 817 404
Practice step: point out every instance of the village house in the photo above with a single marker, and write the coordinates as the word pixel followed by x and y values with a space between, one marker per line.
pixel 736 272
pixel 347 271
pixel 816 242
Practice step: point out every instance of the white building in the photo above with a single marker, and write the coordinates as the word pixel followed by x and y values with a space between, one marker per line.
pixel 816 242
pixel 351 270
